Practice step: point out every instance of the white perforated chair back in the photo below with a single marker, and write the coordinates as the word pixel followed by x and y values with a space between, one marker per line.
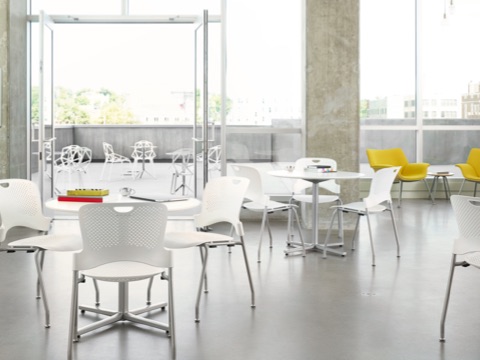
pixel 21 205
pixel 122 232
pixel 222 201
pixel 467 214
pixel 255 188
pixel 380 187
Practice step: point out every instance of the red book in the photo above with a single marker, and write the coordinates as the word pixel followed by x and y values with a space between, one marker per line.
pixel 79 198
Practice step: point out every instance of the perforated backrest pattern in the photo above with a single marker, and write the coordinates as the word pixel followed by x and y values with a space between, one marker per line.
pixel 467 214
pixel 20 205
pixel 122 232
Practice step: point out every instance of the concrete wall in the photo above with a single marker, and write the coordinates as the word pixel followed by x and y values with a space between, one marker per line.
pixel 4 149
pixel 240 147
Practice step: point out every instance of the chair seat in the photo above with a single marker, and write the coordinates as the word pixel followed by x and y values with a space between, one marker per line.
pixel 270 205
pixel 414 177
pixel 186 239
pixel 473 259
pixel 359 207
pixel 322 199
pixel 129 270
pixel 472 178
pixel 55 242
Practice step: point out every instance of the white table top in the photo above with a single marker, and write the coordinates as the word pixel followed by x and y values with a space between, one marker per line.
pixel 440 174
pixel 74 207
pixel 315 176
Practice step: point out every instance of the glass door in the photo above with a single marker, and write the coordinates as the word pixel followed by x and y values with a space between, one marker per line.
pixel 43 130
pixel 201 136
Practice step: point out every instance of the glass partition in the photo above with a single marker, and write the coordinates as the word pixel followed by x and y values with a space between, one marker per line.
pixel 419 75
pixel 264 81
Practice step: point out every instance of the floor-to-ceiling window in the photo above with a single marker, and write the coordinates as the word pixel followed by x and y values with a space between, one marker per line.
pixel 119 73
pixel 420 78
pixel 264 80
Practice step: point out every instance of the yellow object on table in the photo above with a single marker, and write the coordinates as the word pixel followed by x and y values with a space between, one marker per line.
pixel 88 192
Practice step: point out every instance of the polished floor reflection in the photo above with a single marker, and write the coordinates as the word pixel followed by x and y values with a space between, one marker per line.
pixel 307 308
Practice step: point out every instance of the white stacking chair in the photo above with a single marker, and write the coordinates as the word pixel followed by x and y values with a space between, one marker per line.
pixel 260 202
pixel 122 242
pixel 379 194
pixel 467 244
pixel 111 157
pixel 21 209
pixel 221 202
pixel 331 191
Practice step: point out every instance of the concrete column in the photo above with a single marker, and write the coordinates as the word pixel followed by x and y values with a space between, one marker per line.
pixel 13 62
pixel 332 85
pixel 4 87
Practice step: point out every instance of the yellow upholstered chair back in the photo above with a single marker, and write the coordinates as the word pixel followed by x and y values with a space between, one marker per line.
pixel 474 159
pixel 381 158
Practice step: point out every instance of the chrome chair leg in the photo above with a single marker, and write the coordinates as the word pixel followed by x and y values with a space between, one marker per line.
pixel 39 255
pixel 447 298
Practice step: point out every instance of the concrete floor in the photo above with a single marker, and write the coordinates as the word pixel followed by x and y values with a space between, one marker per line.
pixel 307 308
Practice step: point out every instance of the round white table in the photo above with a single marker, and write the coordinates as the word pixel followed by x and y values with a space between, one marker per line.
pixel 316 177
pixel 74 206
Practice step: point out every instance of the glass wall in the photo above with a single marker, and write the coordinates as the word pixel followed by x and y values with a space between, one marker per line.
pixel 264 79
pixel 143 74
pixel 387 75
pixel 420 79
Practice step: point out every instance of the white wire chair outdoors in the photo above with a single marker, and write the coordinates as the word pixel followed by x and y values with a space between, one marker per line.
pixel 182 164
pixel 143 151
pixel 215 158
pixel 122 242
pixel 379 194
pixel 111 157
pixel 73 159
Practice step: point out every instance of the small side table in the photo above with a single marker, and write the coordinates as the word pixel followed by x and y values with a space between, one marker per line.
pixel 444 175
